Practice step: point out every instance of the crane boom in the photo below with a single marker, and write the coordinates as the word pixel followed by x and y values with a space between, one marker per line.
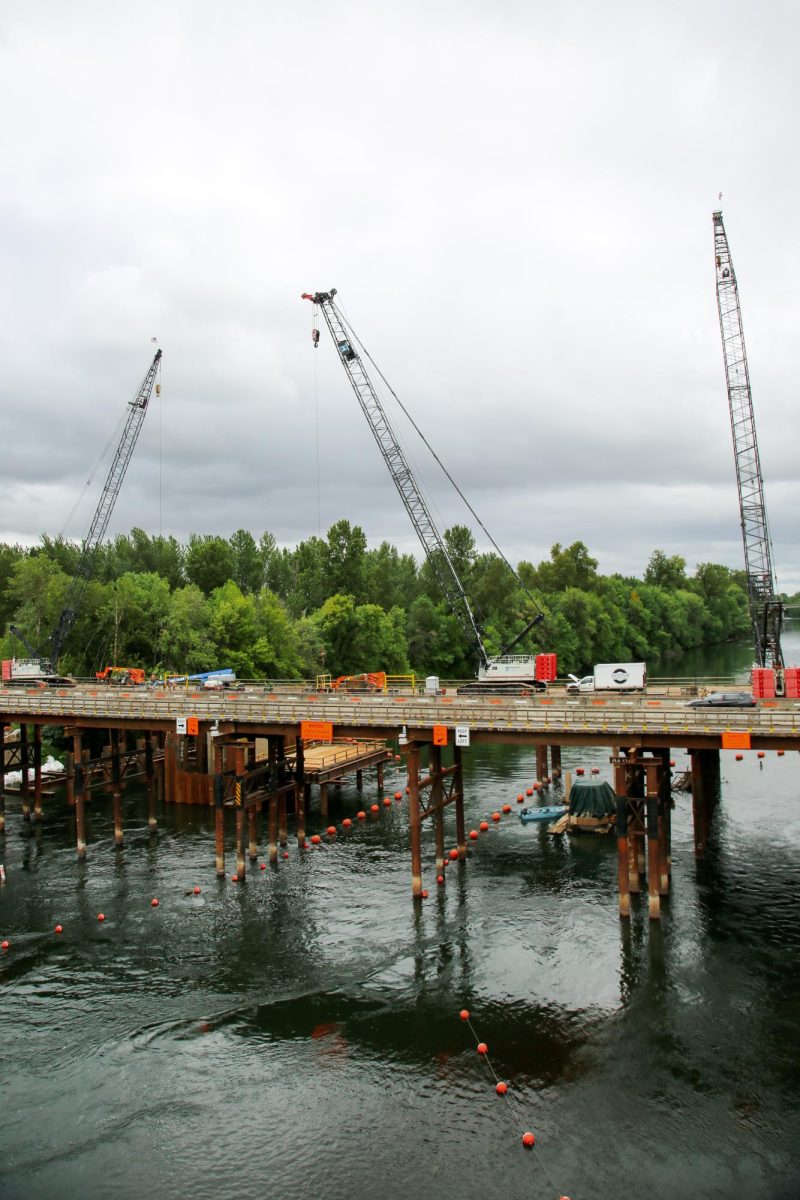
pixel 766 607
pixel 432 542
pixel 50 650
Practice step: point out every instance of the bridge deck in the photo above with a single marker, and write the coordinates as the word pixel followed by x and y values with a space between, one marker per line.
pixel 585 721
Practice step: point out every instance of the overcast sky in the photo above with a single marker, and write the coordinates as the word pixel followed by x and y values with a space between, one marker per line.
pixel 514 201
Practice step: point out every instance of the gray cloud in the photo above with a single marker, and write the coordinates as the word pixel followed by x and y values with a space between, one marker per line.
pixel 515 207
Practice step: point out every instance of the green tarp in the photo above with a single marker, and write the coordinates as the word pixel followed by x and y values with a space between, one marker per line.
pixel 592 798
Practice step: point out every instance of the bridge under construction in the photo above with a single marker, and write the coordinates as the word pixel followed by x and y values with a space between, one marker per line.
pixel 257 752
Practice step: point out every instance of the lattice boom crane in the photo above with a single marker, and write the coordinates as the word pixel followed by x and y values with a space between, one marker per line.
pixel 502 670
pixel 43 664
pixel 766 607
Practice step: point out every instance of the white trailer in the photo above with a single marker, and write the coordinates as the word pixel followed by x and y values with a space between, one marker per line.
pixel 611 677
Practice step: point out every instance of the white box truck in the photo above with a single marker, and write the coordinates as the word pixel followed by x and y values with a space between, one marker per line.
pixel 611 677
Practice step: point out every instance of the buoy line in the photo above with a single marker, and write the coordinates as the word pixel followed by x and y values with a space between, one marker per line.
pixel 501 1087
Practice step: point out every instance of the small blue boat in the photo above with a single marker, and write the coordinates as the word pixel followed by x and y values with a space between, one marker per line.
pixel 550 813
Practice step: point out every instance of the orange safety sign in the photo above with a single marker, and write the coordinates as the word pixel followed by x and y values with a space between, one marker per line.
pixel 192 726
pixel 440 735
pixel 735 741
pixel 316 731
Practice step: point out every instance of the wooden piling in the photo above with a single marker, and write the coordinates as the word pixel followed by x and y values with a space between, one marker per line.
pixel 653 875
pixel 37 772
pixel 219 809
pixel 623 870
pixel 437 796
pixel 3 728
pixel 272 843
pixel 555 762
pixel 152 820
pixel 414 820
pixel 359 780
pixel 23 762
pixel 78 786
pixel 699 805
pixel 379 770
pixel 541 763
pixel 302 793
pixel 458 792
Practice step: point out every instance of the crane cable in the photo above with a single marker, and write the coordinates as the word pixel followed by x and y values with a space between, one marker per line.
pixel 436 457
pixel 113 438
pixel 315 340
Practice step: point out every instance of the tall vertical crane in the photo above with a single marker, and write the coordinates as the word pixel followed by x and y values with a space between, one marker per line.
pixel 500 670
pixel 766 607
pixel 43 664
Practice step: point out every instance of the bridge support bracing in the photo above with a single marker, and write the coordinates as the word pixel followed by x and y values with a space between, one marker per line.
pixel 641 781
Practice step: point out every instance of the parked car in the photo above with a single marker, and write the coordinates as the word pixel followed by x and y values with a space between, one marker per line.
pixel 724 700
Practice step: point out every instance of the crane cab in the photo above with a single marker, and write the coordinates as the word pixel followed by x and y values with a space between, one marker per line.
pixel 346 350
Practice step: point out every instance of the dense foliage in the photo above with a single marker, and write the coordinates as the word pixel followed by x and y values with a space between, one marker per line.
pixel 334 605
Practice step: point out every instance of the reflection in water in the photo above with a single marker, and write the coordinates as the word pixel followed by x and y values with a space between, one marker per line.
pixel 303 1027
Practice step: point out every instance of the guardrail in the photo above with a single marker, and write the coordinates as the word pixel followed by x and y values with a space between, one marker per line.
pixel 530 715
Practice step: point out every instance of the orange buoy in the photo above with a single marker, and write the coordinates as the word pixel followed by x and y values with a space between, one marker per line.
pixel 579 770
pixel 440 880
pixel 331 831
pixel 501 1088
pixel 483 1048
pixel 484 825
pixel 595 770
pixel 374 808
pixel 506 808
pixel 761 754
pixel 315 839
pixel 234 879
pixel 154 903
pixel 495 816
pixel 197 891
pixel 5 945
pixel 101 917
pixel 424 893
pixel 263 866
pixel 739 757
pixel 781 753
pixel 397 758
pixel 473 835
pixel 536 786
pixel 453 855
pixel 528 792
pixel 408 790
pixel 520 798
pixel 347 823
pixel 398 795
pixel 528 1140
pixel 58 929
pixel 387 800
pixel 362 816
pixel 464 1014
pixel 286 854
pixel 672 762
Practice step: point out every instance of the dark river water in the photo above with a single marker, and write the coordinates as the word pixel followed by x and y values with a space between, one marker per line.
pixel 300 1035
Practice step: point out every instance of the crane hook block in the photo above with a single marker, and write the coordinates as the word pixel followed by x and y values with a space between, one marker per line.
pixel 315 337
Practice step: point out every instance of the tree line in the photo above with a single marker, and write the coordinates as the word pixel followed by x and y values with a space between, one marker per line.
pixel 334 605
